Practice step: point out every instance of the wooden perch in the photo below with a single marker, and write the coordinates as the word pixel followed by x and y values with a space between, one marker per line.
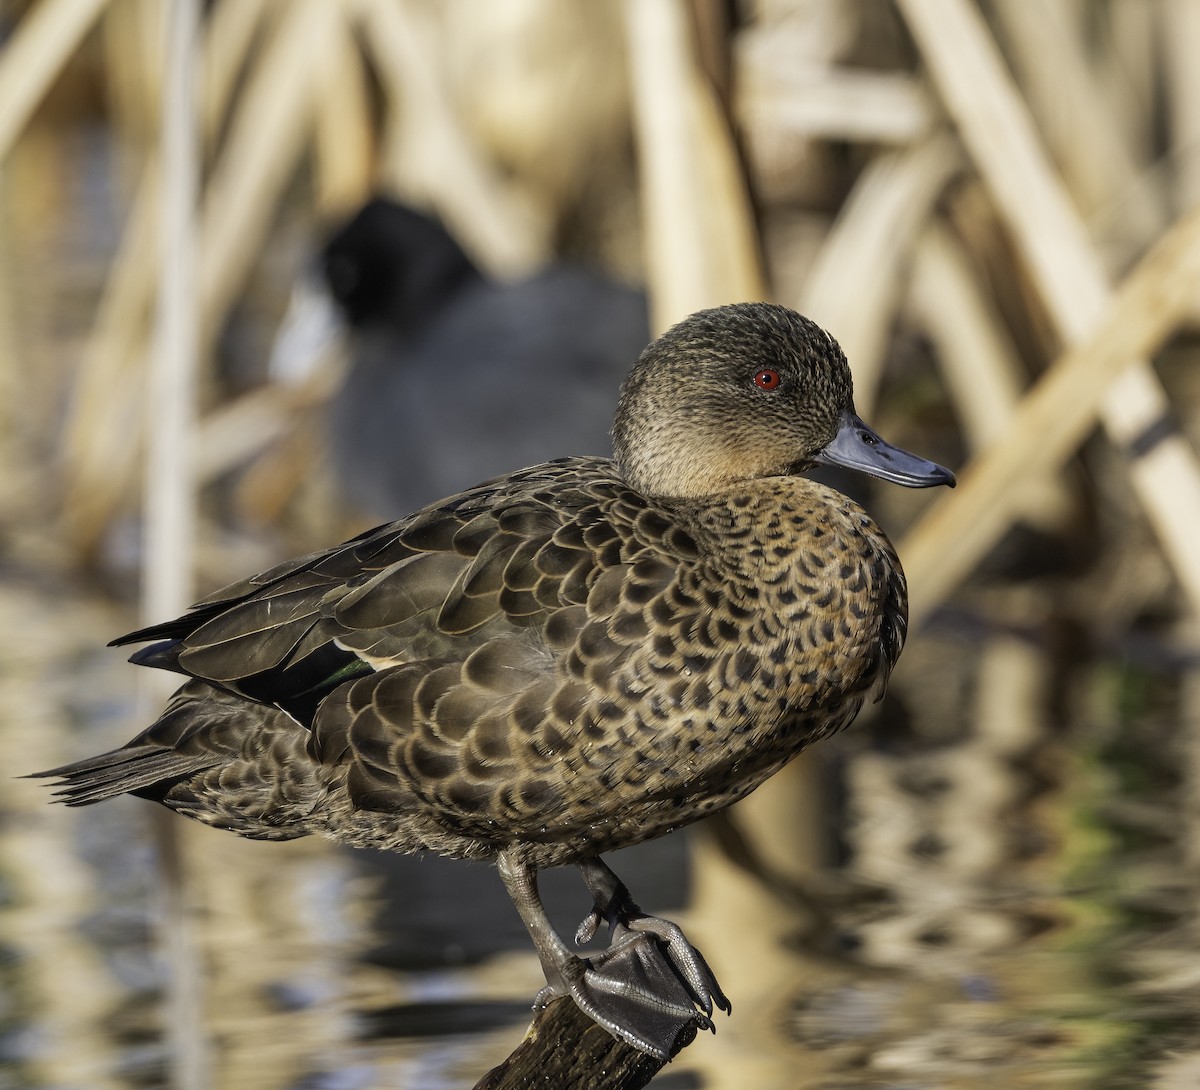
pixel 566 1050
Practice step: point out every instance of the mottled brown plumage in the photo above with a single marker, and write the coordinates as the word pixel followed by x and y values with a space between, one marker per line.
pixel 562 661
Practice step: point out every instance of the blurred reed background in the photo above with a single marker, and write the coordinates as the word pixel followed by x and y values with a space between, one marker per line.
pixel 993 879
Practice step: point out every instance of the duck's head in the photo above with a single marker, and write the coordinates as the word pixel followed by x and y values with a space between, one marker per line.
pixel 746 391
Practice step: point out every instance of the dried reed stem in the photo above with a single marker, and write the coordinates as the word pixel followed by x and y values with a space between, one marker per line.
pixel 101 435
pixel 343 144
pixel 229 37
pixel 427 157
pixel 857 277
pixel 983 375
pixel 1053 418
pixel 170 514
pixel 701 247
pixel 169 497
pixel 1098 164
pixel 32 58
pixel 833 103
pixel 979 363
pixel 1000 137
pixel 133 68
pixel 266 139
pixel 1181 42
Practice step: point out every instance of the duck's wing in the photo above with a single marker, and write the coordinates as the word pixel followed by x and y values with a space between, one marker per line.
pixel 491 562
pixel 468 661
pixel 560 710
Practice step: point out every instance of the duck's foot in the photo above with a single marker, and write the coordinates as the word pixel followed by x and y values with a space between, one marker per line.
pixel 644 989
pixel 632 991
pixel 628 924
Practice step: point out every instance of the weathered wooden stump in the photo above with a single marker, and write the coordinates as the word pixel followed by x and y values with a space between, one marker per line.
pixel 566 1050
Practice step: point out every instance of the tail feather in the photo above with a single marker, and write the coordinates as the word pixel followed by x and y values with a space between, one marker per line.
pixel 214 757
pixel 131 770
pixel 174 629
pixel 163 655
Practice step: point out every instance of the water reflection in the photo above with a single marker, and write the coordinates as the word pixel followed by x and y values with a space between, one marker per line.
pixel 1016 907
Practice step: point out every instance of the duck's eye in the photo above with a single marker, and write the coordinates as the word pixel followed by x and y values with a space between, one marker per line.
pixel 766 379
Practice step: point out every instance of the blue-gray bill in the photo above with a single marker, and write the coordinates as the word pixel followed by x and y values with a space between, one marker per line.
pixel 856 446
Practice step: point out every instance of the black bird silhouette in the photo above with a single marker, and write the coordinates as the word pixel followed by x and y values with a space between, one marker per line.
pixel 448 368
pixel 569 659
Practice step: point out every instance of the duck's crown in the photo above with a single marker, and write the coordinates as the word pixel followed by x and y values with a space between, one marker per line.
pixel 728 395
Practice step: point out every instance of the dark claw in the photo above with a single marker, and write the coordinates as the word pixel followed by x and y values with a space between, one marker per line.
pixel 586 931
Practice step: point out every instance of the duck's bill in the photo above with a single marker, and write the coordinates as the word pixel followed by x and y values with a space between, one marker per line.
pixel 856 446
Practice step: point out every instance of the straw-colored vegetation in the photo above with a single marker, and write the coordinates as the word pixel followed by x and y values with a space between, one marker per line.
pixel 992 206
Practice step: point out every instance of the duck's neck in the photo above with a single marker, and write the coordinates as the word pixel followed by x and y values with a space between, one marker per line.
pixel 688 470
pixel 675 481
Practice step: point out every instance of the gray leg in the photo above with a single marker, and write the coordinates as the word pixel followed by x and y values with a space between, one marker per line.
pixel 632 990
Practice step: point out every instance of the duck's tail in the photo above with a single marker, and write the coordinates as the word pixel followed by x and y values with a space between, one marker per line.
pixel 210 756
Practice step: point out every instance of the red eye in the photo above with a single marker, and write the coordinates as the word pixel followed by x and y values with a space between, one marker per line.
pixel 766 379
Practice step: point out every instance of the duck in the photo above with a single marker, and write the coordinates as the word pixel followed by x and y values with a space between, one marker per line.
pixel 529 365
pixel 561 661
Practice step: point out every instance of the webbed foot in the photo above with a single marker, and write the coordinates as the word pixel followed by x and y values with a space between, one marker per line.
pixel 634 992
pixel 645 988
pixel 664 959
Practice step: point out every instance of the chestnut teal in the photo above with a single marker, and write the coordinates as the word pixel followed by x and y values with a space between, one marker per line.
pixel 561 661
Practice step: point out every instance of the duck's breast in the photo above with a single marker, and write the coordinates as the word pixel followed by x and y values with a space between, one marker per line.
pixel 791 614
